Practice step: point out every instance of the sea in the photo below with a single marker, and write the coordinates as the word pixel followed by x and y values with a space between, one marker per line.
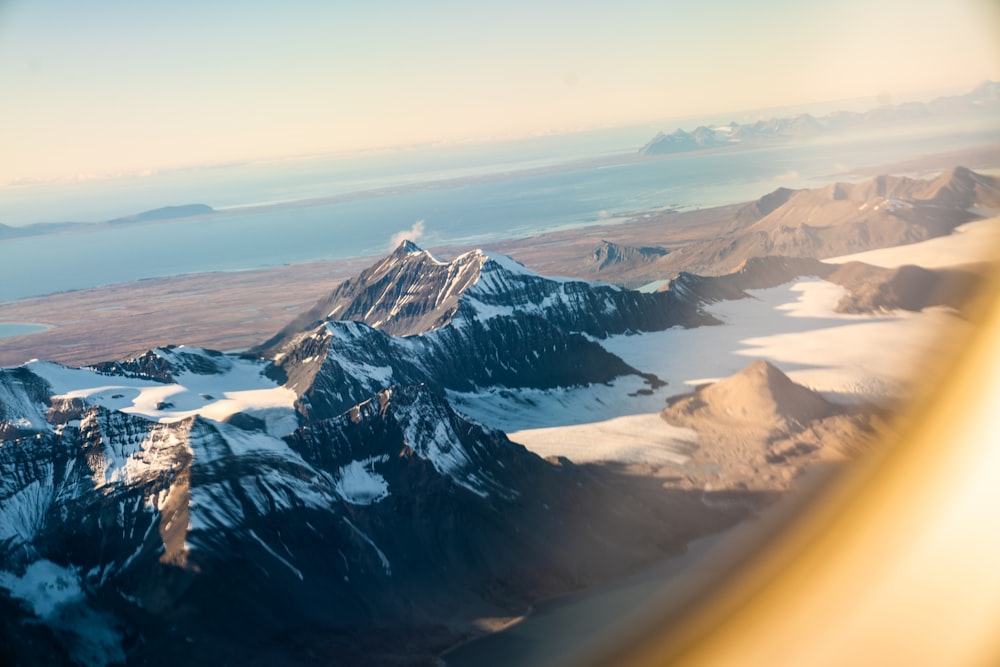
pixel 277 212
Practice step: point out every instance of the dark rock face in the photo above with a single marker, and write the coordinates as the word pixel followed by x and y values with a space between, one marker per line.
pixel 754 273
pixel 408 292
pixel 607 255
pixel 339 363
pixel 23 403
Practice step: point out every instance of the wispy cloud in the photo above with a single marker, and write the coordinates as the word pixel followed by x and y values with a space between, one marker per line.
pixel 414 233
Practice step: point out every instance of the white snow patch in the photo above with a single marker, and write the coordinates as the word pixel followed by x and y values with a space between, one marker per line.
pixel 45 586
pixel 817 299
pixel 972 242
pixel 654 286
pixel 378 376
pixel 240 386
pixel 55 595
pixel 794 327
pixel 631 439
pixel 523 409
pixel 877 359
pixel 433 438
pixel 359 484
pixel 513 266
pixel 213 506
pixel 242 442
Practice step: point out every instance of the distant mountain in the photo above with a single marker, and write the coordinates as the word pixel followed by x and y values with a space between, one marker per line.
pixel 154 215
pixel 871 289
pixel 165 213
pixel 874 289
pixel 609 256
pixel 760 420
pixel 984 97
pixel 680 141
pixel 841 219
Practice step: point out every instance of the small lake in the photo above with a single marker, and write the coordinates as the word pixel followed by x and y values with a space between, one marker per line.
pixel 11 329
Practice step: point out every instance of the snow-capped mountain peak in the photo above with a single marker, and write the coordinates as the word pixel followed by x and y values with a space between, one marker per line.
pixel 410 292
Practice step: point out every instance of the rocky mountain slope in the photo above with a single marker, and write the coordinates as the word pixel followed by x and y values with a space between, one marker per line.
pixel 410 292
pixel 172 504
pixel 479 321
pixel 757 427
pixel 840 219
pixel 870 289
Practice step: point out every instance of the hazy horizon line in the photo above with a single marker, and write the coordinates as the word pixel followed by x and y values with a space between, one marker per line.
pixel 131 173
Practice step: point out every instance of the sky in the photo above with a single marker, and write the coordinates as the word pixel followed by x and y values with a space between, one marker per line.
pixel 125 86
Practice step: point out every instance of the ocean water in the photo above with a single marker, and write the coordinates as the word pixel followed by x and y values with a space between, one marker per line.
pixel 353 207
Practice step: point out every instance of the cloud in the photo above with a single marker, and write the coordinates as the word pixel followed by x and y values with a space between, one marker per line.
pixel 790 175
pixel 414 233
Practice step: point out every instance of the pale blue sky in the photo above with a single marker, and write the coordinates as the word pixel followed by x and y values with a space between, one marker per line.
pixel 109 85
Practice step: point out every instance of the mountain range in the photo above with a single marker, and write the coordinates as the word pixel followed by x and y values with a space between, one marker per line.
pixel 154 215
pixel 322 491
pixel 834 220
pixel 983 98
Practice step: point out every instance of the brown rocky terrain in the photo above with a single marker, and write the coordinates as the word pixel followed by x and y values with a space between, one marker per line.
pixel 871 289
pixel 758 430
pixel 840 219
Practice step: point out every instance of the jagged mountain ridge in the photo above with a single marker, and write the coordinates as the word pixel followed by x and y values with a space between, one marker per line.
pixel 331 366
pixel 411 293
pixel 841 219
pixel 495 324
